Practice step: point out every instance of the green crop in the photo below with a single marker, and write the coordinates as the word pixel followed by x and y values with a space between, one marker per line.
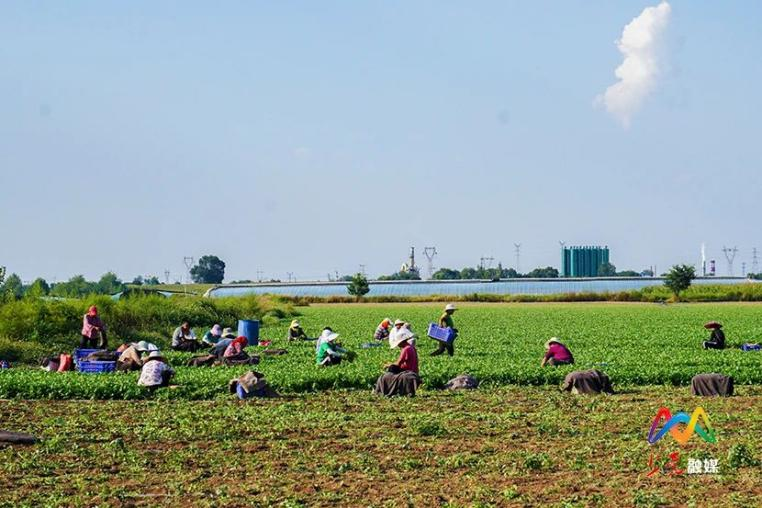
pixel 635 344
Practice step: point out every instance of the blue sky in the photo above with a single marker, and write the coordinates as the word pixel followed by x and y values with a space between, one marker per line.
pixel 309 137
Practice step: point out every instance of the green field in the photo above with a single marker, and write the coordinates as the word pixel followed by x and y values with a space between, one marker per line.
pixel 636 344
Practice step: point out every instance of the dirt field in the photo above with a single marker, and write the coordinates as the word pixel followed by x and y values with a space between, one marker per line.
pixel 517 446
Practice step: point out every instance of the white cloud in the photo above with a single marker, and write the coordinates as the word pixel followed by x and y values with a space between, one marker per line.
pixel 638 74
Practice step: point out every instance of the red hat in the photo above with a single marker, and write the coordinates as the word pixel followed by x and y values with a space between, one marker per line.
pixel 243 341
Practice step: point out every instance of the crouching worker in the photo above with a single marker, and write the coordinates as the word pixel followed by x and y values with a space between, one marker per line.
pixel 235 354
pixel 131 357
pixel 717 337
pixel 252 384
pixel 383 330
pixel 556 354
pixel 401 377
pixel 184 338
pixel 329 352
pixel 296 332
pixel 156 372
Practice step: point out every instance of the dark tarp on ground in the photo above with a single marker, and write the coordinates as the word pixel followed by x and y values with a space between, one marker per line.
pixel 587 381
pixel 464 381
pixel 712 385
pixel 16 437
pixel 405 383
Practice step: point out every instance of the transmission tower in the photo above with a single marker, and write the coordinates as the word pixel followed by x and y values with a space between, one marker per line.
pixel 743 269
pixel 362 270
pixel 430 252
pixel 290 275
pixel 518 256
pixel 166 276
pixel 754 261
pixel 730 255
pixel 188 261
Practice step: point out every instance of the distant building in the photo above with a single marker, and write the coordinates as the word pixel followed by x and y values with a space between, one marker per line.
pixel 583 261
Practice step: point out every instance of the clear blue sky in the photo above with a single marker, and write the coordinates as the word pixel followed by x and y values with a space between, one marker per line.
pixel 315 136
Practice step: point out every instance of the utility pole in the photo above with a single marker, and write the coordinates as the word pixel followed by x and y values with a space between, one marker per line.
pixel 430 252
pixel 259 275
pixel 518 256
pixel 754 261
pixel 290 275
pixel 362 270
pixel 730 255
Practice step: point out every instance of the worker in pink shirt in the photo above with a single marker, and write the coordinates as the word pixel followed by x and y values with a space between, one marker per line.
pixel 93 330
pixel 556 354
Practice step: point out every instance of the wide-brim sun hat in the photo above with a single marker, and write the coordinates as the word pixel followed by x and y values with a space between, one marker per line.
pixel 331 337
pixel 400 337
pixel 451 306
pixel 155 355
pixel 552 340
pixel 228 333
pixel 398 322
pixel 144 346
pixel 294 323
pixel 712 324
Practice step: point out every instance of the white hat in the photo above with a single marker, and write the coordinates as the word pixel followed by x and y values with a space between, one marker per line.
pixel 451 306
pixel 155 354
pixel 330 337
pixel 400 337
pixel 551 340
pixel 144 346
pixel 399 322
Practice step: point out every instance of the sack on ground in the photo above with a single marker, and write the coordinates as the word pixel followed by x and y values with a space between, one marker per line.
pixel 707 385
pixel 462 382
pixel 588 382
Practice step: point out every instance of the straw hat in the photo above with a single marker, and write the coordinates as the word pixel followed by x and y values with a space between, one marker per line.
pixel 399 322
pixel 551 341
pixel 155 355
pixel 400 337
pixel 144 346
pixel 295 323
pixel 330 336
pixel 228 333
pixel 712 325
pixel 451 306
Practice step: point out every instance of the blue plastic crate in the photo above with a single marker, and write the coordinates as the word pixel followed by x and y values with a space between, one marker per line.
pixel 446 335
pixel 751 347
pixel 96 367
pixel 81 353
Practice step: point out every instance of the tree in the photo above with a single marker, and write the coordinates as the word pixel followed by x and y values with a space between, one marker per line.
pixel 679 279
pixel 358 287
pixel 628 273
pixel 13 287
pixel 138 281
pixel 153 280
pixel 109 284
pixel 469 273
pixel 446 274
pixel 209 270
pixel 38 288
pixel 412 275
pixel 75 287
pixel 543 273
pixel 2 275
pixel 606 270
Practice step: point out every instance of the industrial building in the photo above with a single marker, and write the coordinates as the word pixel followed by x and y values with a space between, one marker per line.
pixel 583 261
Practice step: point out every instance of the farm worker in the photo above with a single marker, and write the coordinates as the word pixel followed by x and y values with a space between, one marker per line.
pixel 556 353
pixel 130 357
pixel 401 377
pixel 400 325
pixel 213 336
pixel 327 331
pixel 227 337
pixel 329 353
pixel 156 372
pixel 93 330
pixel 296 332
pixel 235 351
pixel 717 337
pixel 408 359
pixel 184 338
pixel 382 330
pixel 445 321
